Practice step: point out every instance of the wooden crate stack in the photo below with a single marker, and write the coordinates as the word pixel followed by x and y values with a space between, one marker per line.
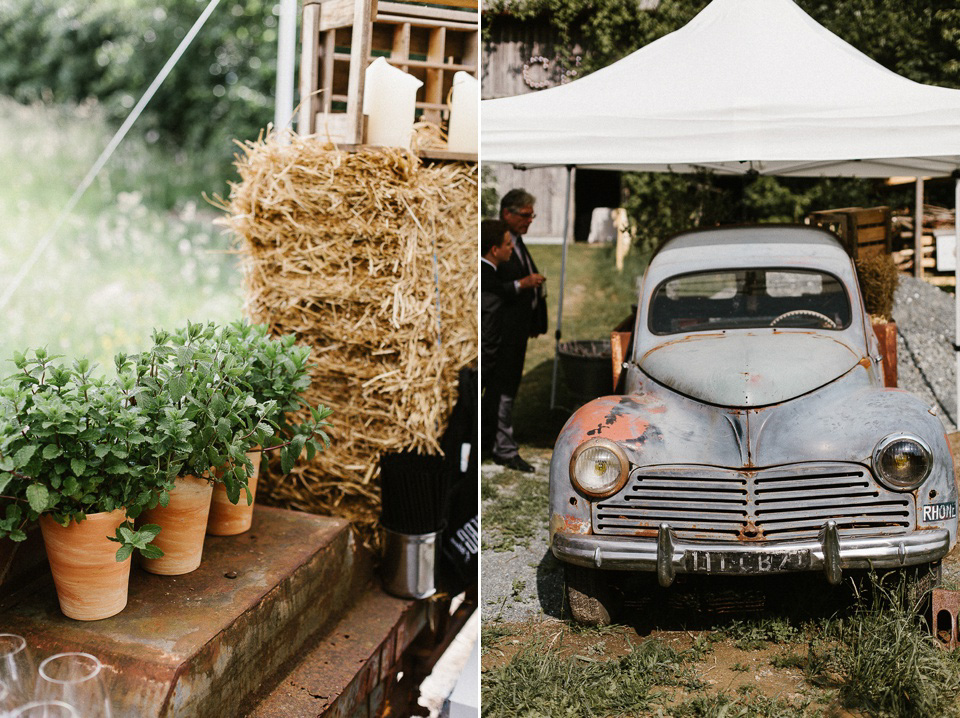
pixel 864 232
pixel 341 37
pixel 934 219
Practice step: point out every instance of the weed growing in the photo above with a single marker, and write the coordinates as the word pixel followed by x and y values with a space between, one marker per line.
pixel 749 703
pixel 889 663
pixel 492 633
pixel 542 682
pixel 754 634
pixel 520 510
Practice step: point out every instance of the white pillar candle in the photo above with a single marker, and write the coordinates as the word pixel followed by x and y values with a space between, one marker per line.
pixel 389 100
pixel 462 133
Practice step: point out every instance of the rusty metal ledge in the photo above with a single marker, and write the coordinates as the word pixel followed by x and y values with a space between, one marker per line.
pixel 352 670
pixel 200 645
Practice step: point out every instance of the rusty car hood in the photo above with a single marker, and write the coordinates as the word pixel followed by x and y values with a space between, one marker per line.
pixel 749 369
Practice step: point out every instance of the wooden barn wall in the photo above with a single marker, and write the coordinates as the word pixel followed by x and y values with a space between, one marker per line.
pixel 512 48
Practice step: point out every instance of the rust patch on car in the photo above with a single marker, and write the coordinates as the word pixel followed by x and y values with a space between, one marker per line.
pixel 617 421
pixel 565 523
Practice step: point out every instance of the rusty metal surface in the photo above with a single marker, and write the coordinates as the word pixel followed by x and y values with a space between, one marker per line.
pixel 946 618
pixel 201 643
pixel 753 405
pixel 346 670
pixel 748 369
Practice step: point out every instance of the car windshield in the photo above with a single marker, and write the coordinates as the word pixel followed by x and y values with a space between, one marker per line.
pixel 749 298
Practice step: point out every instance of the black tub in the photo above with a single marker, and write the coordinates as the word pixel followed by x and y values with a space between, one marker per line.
pixel 587 368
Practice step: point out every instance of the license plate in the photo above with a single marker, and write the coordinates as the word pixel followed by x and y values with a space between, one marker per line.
pixel 746 563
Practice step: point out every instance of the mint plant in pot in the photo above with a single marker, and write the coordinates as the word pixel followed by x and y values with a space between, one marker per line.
pixel 275 373
pixel 75 456
pixel 187 384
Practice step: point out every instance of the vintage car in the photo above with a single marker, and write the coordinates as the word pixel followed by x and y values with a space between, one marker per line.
pixel 752 433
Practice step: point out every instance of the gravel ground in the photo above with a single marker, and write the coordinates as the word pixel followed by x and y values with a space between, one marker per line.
pixel 925 317
pixel 527 582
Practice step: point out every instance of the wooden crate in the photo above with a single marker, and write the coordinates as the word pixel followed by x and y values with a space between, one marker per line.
pixel 341 37
pixel 864 232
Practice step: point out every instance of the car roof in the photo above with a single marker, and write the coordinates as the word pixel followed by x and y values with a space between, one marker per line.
pixel 786 242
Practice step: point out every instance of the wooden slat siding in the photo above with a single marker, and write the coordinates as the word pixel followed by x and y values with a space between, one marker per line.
pixel 328 77
pixel 332 126
pixel 471 52
pixel 309 68
pixel 463 4
pixel 363 12
pixel 407 63
pixel 433 87
pixel 401 31
pixel 401 44
pixel 863 232
pixel 336 13
pixel 511 46
pixel 871 233
pixel 512 43
pixel 424 22
pixel 875 215
pixel 548 185
pixel 402 8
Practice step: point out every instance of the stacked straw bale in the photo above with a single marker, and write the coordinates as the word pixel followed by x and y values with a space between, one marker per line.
pixel 370 257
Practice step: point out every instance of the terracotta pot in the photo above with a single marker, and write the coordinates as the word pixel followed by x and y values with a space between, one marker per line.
pixel 228 519
pixel 184 523
pixel 90 583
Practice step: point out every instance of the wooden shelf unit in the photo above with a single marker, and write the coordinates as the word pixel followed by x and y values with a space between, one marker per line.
pixel 864 232
pixel 340 38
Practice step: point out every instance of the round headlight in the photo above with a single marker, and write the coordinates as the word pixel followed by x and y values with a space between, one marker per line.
pixel 902 462
pixel 599 467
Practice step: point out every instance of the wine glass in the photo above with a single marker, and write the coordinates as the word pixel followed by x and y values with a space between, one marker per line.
pixel 17 669
pixel 75 679
pixel 45 709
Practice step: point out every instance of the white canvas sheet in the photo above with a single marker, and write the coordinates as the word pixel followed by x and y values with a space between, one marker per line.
pixel 747 84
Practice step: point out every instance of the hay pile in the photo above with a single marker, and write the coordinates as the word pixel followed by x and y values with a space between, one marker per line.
pixel 370 258
pixel 878 281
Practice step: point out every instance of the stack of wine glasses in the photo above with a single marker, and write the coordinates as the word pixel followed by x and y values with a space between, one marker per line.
pixel 65 685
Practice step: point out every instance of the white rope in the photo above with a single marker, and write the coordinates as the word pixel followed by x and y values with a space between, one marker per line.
pixel 84 185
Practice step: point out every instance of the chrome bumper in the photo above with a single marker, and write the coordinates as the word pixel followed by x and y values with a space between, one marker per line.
pixel 668 555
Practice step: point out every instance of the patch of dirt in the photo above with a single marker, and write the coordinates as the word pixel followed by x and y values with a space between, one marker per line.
pixel 724 667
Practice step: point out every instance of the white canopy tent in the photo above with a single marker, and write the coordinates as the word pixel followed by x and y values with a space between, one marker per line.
pixel 747 86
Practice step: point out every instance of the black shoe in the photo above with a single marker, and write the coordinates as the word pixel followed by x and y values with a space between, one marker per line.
pixel 515 463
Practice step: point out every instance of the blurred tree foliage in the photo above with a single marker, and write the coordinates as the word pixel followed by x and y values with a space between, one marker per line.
pixel 920 41
pixel 222 88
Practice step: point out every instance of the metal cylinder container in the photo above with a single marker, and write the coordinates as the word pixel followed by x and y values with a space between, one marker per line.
pixel 409 562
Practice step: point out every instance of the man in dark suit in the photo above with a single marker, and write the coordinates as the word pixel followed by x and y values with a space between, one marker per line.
pixel 524 316
pixel 496 247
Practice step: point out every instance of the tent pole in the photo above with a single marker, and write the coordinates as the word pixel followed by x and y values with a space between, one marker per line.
pixel 918 229
pixel 563 269
pixel 956 274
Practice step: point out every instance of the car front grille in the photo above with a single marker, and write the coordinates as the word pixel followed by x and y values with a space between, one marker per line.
pixel 785 503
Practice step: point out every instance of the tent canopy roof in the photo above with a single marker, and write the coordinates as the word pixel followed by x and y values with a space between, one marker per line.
pixel 746 85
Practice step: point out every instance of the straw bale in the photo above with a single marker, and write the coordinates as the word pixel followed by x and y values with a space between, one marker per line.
pixel 369 257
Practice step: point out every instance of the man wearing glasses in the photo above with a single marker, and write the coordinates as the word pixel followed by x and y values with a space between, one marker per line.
pixel 524 316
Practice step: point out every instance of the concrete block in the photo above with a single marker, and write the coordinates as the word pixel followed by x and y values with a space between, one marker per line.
pixel 202 644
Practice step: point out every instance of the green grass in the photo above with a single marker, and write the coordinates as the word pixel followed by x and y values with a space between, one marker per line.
pixel 754 634
pixel 518 512
pixel 748 704
pixel 878 661
pixel 121 264
pixel 540 681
